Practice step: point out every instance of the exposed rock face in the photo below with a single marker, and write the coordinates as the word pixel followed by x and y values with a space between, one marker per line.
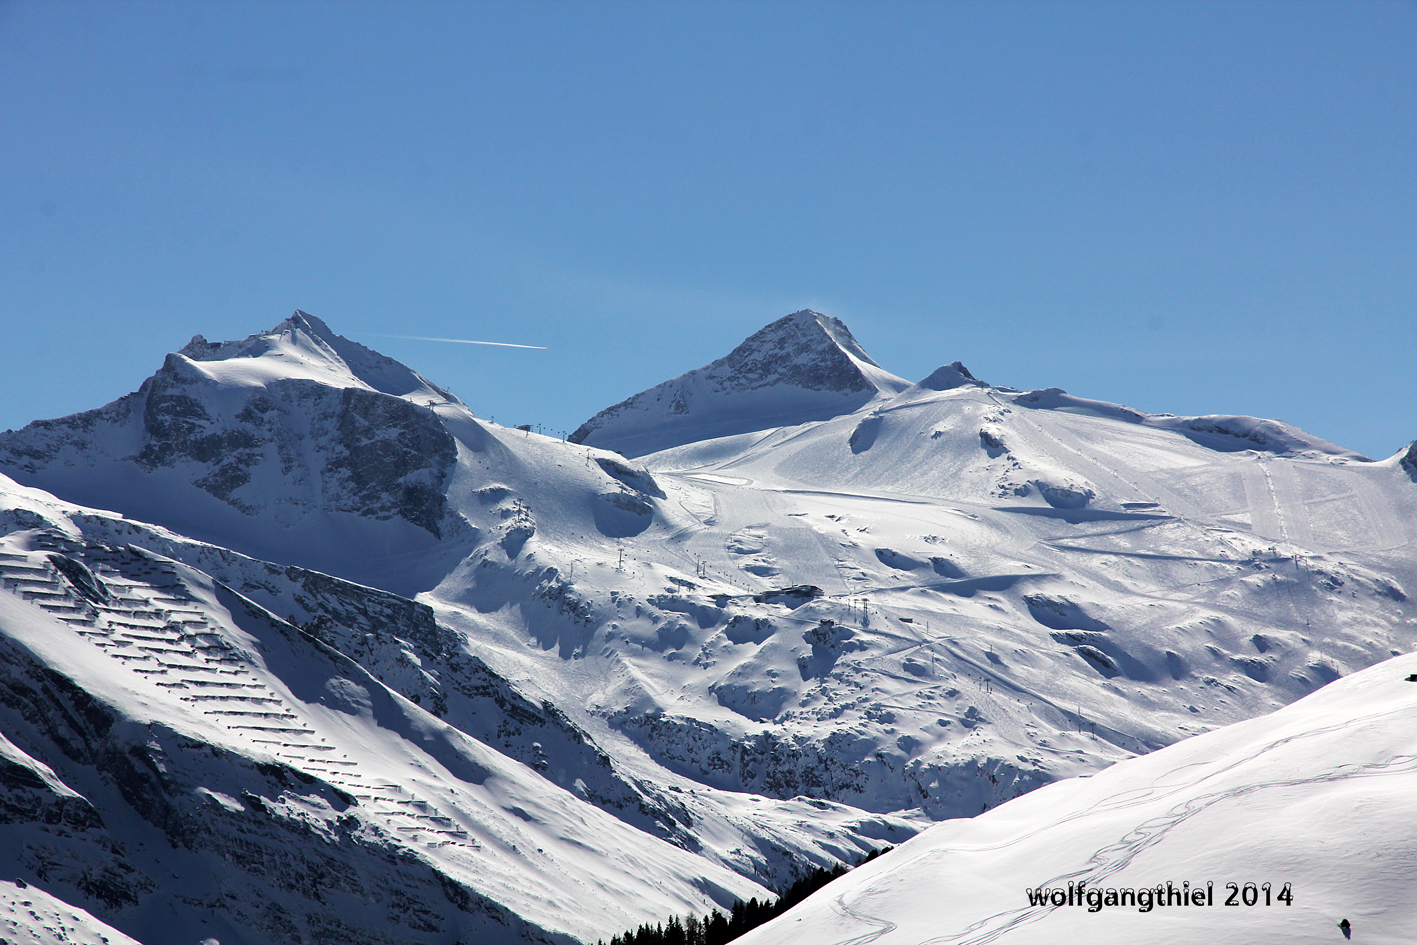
pixel 402 644
pixel 234 809
pixel 290 856
pixel 804 349
pixel 317 436
pixel 389 457
pixel 832 768
pixel 804 366
pixel 58 833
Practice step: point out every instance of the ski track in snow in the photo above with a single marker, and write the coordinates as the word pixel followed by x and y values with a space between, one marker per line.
pixel 1082 455
pixel 883 926
pixel 1289 506
pixel 1111 859
pixel 1391 530
pixel 1265 518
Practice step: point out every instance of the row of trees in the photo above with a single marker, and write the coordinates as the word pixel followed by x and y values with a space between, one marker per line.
pixel 719 929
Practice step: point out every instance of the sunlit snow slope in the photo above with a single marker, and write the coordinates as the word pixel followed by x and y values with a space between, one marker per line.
pixel 1319 798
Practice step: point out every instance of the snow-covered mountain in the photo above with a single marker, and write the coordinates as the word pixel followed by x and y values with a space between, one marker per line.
pixel 181 761
pixel 291 437
pixel 1279 829
pixel 805 366
pixel 829 607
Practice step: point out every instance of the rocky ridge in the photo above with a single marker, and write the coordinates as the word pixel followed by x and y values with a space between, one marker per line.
pixel 805 366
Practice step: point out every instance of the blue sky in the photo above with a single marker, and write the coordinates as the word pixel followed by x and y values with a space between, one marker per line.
pixel 1184 207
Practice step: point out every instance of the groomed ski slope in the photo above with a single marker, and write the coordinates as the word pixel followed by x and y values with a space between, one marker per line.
pixel 1320 796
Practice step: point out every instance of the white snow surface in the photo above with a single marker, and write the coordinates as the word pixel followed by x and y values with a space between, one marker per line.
pixel 804 366
pixel 31 916
pixel 1319 797
pixel 791 643
pixel 303 347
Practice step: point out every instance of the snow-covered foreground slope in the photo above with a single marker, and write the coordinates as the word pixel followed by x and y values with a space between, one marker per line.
pixel 1317 800
pixel 769 649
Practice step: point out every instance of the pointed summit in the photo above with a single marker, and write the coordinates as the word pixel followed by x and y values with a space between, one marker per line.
pixel 803 367
pixel 949 377
pixel 1407 459
pixel 304 347
pixel 295 427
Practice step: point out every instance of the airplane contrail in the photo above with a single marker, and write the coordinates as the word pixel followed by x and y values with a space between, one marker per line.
pixel 465 341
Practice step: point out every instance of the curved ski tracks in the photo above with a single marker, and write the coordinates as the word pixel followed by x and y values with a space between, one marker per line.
pixel 1114 857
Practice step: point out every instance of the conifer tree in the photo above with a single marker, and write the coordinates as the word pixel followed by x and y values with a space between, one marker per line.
pixel 716 929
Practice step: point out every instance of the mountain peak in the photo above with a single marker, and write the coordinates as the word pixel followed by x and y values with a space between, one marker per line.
pixel 294 425
pixel 303 346
pixel 805 349
pixel 200 349
pixel 803 367
pixel 949 377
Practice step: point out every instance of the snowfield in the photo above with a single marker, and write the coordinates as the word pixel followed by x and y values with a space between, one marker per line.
pixel 522 689
pixel 1309 812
